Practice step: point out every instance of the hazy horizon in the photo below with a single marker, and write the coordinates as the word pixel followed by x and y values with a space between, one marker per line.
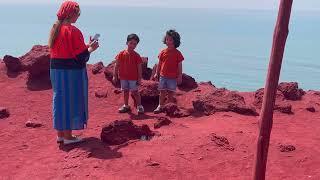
pixel 306 5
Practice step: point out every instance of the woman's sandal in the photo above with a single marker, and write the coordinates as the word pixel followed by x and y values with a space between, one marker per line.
pixel 72 141
pixel 60 140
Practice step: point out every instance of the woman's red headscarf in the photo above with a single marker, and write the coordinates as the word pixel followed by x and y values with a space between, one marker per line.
pixel 66 9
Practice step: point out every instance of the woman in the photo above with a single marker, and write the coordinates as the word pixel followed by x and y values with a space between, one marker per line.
pixel 68 73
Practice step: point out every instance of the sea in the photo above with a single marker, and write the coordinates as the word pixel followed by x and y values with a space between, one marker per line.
pixel 230 47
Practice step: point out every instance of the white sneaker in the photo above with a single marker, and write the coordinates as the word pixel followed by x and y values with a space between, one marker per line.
pixel 124 109
pixel 158 110
pixel 72 141
pixel 140 109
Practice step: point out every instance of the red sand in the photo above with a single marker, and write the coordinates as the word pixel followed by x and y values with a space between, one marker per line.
pixel 185 149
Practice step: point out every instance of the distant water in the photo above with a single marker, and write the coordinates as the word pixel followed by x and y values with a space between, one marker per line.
pixel 229 47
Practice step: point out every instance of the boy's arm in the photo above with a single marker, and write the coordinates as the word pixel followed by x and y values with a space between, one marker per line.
pixel 180 73
pixel 139 73
pixel 157 74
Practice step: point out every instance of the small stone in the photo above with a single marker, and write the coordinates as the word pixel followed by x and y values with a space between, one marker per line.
pixel 311 109
pixel 162 121
pixel 153 163
pixel 311 106
pixel 200 158
pixel 286 148
pixel 4 113
pixel 32 124
pixel 117 91
pixel 101 94
pixel 97 68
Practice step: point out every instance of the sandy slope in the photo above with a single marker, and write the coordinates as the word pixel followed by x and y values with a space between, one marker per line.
pixel 183 151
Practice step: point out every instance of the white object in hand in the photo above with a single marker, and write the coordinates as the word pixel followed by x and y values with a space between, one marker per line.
pixel 96 37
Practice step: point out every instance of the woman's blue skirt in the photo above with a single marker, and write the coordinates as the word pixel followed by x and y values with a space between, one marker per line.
pixel 70 98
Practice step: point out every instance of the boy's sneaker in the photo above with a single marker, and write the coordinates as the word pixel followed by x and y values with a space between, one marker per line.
pixel 158 110
pixel 140 109
pixel 124 109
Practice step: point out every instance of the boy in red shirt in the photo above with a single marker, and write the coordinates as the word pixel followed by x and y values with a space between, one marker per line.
pixel 128 69
pixel 169 70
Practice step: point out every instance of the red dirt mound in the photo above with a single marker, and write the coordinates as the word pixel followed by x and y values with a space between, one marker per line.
pixel 119 132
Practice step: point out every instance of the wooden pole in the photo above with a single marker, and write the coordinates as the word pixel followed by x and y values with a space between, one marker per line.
pixel 266 116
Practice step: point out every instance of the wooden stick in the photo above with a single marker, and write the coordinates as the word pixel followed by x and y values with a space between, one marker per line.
pixel 266 116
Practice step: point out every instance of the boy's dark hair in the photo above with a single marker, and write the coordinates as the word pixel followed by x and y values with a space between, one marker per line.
pixel 133 37
pixel 175 36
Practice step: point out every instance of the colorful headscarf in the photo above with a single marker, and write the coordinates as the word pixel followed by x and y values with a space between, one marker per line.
pixel 66 9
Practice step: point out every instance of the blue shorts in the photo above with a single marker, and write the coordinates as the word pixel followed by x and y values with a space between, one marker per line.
pixel 167 84
pixel 128 85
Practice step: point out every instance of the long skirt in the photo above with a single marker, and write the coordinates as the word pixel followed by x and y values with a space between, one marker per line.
pixel 70 98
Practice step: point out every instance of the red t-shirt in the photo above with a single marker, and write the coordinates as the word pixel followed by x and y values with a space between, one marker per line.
pixel 169 60
pixel 128 65
pixel 68 44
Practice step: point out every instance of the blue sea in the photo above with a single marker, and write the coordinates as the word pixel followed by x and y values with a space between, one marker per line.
pixel 229 47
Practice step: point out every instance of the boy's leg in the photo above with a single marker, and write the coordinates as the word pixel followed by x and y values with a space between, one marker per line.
pixel 137 97
pixel 125 88
pixel 162 97
pixel 172 86
pixel 170 96
pixel 126 97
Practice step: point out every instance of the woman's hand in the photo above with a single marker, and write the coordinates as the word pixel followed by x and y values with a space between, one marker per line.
pixel 93 45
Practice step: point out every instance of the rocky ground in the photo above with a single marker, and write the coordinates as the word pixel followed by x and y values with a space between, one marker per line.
pixel 209 133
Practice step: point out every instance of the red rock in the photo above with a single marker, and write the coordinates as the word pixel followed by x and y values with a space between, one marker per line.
pixel 172 110
pixel 209 83
pixel 36 61
pixel 222 100
pixel 311 107
pixel 258 97
pixel 13 64
pixel 281 104
pixel 149 93
pixel 188 82
pixel 97 68
pixel 119 132
pixel 101 94
pixel 154 69
pixel 317 93
pixel 284 108
pixel 286 148
pixel 146 72
pixel 291 91
pixel 162 121
pixel 4 113
pixel 221 141
pixel 108 71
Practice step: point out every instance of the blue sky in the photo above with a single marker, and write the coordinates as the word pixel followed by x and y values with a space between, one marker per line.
pixel 219 4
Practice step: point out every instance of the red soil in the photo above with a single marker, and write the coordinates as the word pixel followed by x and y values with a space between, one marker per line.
pixel 219 146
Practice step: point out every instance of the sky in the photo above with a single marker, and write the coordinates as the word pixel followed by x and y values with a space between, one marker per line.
pixel 217 4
